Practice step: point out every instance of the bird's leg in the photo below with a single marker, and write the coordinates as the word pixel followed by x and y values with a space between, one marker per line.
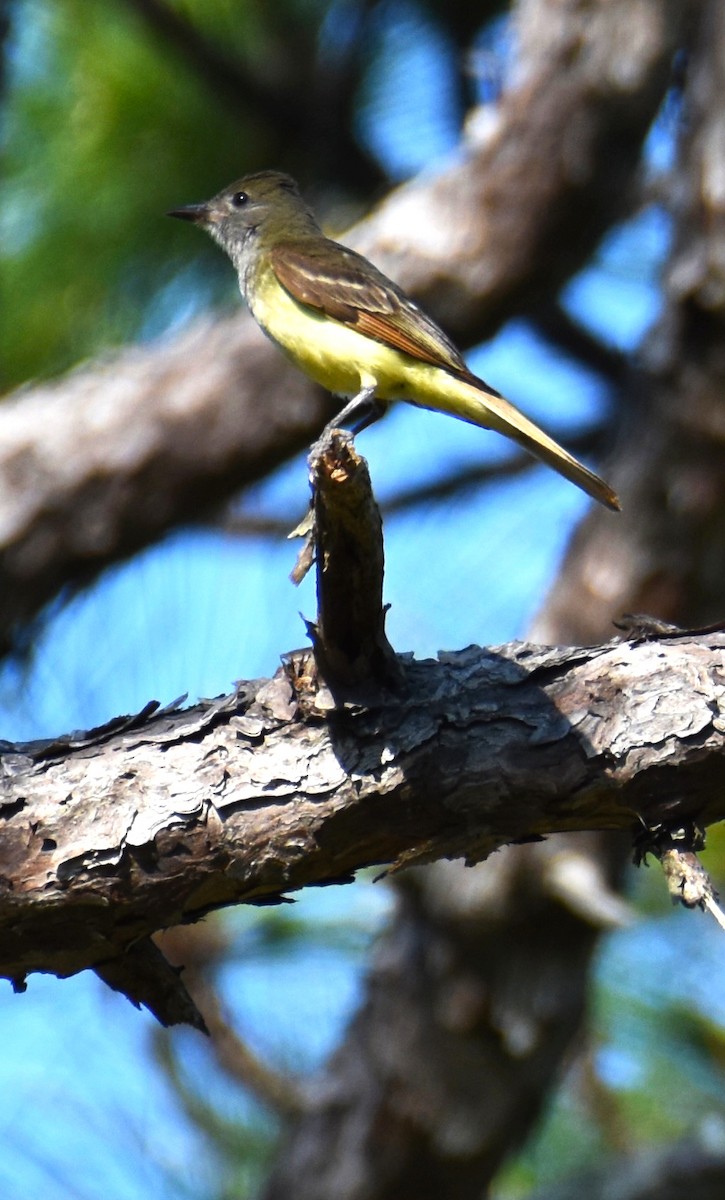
pixel 364 407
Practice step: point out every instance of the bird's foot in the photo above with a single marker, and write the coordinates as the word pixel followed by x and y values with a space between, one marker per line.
pixel 364 409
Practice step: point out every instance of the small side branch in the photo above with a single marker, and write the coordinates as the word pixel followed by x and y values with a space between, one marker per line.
pixel 675 846
pixel 352 652
pixel 157 820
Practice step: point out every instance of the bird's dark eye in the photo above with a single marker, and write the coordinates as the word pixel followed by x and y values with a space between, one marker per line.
pixel 239 199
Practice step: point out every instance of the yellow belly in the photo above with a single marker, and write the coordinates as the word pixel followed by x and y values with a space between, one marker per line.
pixel 345 361
pixel 338 358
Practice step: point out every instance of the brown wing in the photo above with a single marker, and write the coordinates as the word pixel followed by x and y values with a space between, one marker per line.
pixel 349 289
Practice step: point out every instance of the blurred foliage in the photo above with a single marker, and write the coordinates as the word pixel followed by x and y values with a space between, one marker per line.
pixel 104 131
pixel 92 160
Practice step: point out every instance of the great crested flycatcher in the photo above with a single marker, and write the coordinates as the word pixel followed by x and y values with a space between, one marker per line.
pixel 351 328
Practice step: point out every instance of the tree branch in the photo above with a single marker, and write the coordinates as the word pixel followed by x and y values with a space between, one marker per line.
pixel 350 646
pixel 245 799
pixel 568 336
pixel 98 464
pixel 503 230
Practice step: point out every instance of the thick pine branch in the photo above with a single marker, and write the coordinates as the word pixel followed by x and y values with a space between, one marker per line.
pixel 262 793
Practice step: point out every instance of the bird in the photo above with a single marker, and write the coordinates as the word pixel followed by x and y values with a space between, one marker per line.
pixel 349 327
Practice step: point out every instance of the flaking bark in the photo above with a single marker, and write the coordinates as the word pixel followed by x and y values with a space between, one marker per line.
pixel 107 839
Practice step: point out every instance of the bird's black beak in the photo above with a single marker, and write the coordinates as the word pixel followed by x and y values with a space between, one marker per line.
pixel 199 213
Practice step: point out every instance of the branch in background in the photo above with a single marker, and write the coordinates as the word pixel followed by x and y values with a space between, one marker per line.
pixel 573 340
pixel 95 466
pixel 501 231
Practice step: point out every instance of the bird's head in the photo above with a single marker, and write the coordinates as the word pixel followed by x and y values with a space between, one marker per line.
pixel 267 203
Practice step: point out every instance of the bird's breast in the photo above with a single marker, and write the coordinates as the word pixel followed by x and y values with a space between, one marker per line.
pixel 335 355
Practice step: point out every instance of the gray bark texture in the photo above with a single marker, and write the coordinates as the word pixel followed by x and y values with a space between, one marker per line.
pixel 156 821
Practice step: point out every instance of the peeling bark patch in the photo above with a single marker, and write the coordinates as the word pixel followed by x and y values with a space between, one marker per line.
pixel 155 825
pixel 636 699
